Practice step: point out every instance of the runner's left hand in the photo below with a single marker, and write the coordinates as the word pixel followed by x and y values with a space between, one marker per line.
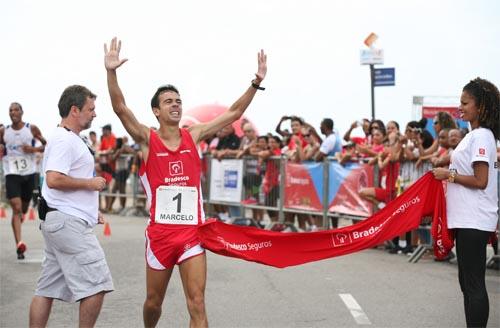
pixel 262 68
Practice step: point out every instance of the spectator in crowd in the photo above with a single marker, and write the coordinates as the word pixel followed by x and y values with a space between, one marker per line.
pixel 378 125
pixel 252 178
pixel 106 148
pixel 392 174
pixel 227 143
pixel 438 159
pixel 348 154
pixel 249 139
pixel 296 136
pixel 121 157
pixel 385 192
pixel 270 183
pixel 376 145
pixel 94 143
pixel 332 143
pixel 442 120
pixel 243 122
pixel 365 125
pixel 392 126
pixel 309 152
pixel 423 142
pixel 285 134
pixel 454 138
pixel 408 157
pixel 296 144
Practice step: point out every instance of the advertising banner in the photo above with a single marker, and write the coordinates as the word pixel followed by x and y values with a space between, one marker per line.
pixel 345 184
pixel 304 187
pixel 226 180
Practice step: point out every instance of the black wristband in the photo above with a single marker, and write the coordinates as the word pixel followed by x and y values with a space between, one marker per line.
pixel 256 86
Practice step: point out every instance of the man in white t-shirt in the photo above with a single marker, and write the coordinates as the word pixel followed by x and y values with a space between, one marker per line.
pixel 74 268
pixel 332 144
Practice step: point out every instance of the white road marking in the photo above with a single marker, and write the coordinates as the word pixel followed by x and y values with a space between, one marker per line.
pixel 355 309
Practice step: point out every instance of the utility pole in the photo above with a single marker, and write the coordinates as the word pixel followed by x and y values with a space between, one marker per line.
pixel 372 83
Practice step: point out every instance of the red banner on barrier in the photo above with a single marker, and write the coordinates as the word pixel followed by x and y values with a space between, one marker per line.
pixel 300 192
pixel 347 199
pixel 425 197
pixel 431 111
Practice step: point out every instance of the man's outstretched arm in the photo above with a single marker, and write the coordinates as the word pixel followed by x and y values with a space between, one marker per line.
pixel 112 61
pixel 202 131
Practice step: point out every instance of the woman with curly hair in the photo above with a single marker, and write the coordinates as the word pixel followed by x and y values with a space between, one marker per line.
pixel 472 196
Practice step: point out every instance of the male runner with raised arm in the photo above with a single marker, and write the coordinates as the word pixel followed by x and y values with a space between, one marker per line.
pixel 170 175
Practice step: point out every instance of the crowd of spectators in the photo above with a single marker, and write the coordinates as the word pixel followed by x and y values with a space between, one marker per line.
pixel 115 158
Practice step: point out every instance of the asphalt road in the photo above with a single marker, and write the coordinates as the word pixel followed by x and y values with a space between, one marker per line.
pixel 369 288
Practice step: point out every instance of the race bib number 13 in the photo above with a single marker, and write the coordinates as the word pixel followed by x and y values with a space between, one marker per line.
pixel 176 205
pixel 19 165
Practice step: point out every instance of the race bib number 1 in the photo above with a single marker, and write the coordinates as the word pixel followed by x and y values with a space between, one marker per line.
pixel 176 205
pixel 19 165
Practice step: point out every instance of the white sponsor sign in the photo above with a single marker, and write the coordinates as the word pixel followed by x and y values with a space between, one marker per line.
pixel 226 177
pixel 371 56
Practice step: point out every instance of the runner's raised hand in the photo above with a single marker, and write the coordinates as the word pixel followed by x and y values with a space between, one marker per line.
pixel 262 68
pixel 112 56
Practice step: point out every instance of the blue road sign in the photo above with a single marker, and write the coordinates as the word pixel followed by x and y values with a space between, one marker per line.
pixel 384 77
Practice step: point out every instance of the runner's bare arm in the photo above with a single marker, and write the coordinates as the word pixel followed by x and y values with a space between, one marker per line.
pixel 37 134
pixel 202 131
pixel 2 146
pixel 139 132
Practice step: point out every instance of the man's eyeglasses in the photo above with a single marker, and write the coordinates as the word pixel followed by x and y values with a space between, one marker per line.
pixel 307 135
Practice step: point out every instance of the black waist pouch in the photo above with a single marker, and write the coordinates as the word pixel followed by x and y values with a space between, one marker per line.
pixel 43 208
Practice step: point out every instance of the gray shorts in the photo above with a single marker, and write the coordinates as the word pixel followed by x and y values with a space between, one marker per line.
pixel 74 266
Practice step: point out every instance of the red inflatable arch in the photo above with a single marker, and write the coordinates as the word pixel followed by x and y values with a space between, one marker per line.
pixel 205 113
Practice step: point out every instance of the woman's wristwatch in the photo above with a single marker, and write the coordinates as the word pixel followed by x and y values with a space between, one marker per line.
pixel 453 175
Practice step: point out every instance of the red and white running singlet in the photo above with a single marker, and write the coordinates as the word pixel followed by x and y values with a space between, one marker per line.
pixel 171 180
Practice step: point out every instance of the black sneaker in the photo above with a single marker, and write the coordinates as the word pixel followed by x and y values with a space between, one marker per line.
pixel 21 248
pixel 407 249
pixel 394 250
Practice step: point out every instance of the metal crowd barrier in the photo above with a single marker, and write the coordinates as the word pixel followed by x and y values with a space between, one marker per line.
pixel 253 198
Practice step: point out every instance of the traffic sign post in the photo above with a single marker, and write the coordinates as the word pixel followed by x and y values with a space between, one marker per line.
pixel 380 76
pixel 384 77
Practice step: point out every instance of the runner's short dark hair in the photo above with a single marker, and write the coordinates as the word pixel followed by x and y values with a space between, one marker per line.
pixel 155 102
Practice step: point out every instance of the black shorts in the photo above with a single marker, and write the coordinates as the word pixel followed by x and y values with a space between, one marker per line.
pixel 121 176
pixel 271 198
pixel 20 186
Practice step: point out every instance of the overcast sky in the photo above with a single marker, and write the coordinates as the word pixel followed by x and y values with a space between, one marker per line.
pixel 208 50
